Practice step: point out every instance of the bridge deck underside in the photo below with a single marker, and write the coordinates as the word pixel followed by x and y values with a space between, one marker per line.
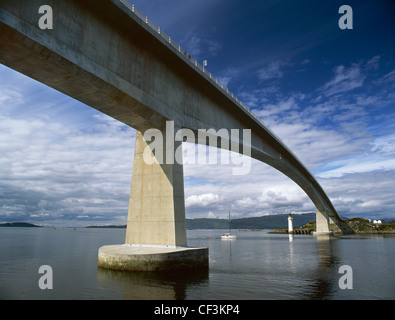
pixel 100 55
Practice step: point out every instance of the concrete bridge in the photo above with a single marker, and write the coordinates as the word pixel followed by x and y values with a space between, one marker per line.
pixel 110 57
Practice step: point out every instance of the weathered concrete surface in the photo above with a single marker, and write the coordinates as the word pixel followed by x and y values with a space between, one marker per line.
pixel 152 258
pixel 322 225
pixel 102 55
pixel 156 208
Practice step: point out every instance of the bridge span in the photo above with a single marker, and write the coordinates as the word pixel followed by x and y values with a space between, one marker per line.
pixel 111 57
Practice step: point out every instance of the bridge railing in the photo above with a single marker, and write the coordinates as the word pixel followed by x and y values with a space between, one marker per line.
pixel 195 63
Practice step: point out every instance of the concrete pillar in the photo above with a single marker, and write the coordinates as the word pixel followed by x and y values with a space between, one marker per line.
pixel 322 224
pixel 156 214
pixel 156 233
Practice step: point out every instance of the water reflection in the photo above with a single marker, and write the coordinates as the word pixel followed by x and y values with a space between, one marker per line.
pixel 322 284
pixel 267 266
pixel 292 251
pixel 153 285
pixel 257 266
pixel 226 246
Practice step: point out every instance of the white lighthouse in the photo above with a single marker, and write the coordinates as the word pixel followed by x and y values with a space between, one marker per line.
pixel 290 224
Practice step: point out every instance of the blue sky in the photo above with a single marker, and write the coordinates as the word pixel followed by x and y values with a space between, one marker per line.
pixel 328 93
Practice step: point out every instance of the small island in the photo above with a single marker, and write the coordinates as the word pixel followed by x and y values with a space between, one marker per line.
pixel 107 227
pixel 359 225
pixel 19 225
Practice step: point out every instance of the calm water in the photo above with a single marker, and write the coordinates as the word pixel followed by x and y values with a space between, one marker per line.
pixel 257 265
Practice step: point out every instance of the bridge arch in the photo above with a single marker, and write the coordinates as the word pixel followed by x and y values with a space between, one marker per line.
pixel 114 60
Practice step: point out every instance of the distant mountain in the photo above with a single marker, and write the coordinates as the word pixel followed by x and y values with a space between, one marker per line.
pixel 105 227
pixel 19 225
pixel 264 222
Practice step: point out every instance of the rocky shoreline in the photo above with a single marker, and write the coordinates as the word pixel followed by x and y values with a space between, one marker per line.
pixel 296 231
pixel 359 225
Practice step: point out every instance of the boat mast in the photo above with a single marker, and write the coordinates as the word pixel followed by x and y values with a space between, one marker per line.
pixel 229 222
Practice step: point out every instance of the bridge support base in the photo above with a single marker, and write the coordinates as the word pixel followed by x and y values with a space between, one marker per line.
pixel 322 222
pixel 156 233
pixel 156 206
pixel 152 258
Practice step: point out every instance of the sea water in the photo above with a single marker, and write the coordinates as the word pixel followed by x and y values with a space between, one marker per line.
pixel 258 265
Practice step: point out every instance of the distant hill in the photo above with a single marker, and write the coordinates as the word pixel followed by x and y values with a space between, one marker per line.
pixel 264 222
pixel 361 225
pixel 19 225
pixel 110 227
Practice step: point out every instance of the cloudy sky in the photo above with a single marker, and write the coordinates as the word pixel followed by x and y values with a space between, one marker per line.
pixel 328 93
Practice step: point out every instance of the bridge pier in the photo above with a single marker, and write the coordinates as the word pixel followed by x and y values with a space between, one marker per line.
pixel 322 225
pixel 156 213
pixel 156 233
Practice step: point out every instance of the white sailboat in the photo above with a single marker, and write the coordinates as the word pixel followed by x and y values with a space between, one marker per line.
pixel 228 236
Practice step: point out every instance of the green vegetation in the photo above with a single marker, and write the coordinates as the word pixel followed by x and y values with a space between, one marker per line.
pixel 258 223
pixel 359 225
pixel 310 226
pixel 204 223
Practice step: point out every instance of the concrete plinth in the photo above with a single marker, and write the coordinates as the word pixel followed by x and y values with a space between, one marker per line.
pixel 156 234
pixel 128 257
pixel 323 233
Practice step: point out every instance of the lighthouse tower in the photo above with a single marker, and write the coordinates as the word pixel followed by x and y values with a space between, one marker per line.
pixel 290 224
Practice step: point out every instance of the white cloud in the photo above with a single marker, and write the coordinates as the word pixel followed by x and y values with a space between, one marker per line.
pixel 389 78
pixel 202 200
pixel 373 63
pixel 364 194
pixel 274 110
pixel 359 165
pixel 263 191
pixel 196 45
pixel 271 71
pixel 228 75
pixel 380 158
pixel 344 80
pixel 78 166
pixel 385 145
pixel 8 96
pixel 211 215
pixel 53 169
